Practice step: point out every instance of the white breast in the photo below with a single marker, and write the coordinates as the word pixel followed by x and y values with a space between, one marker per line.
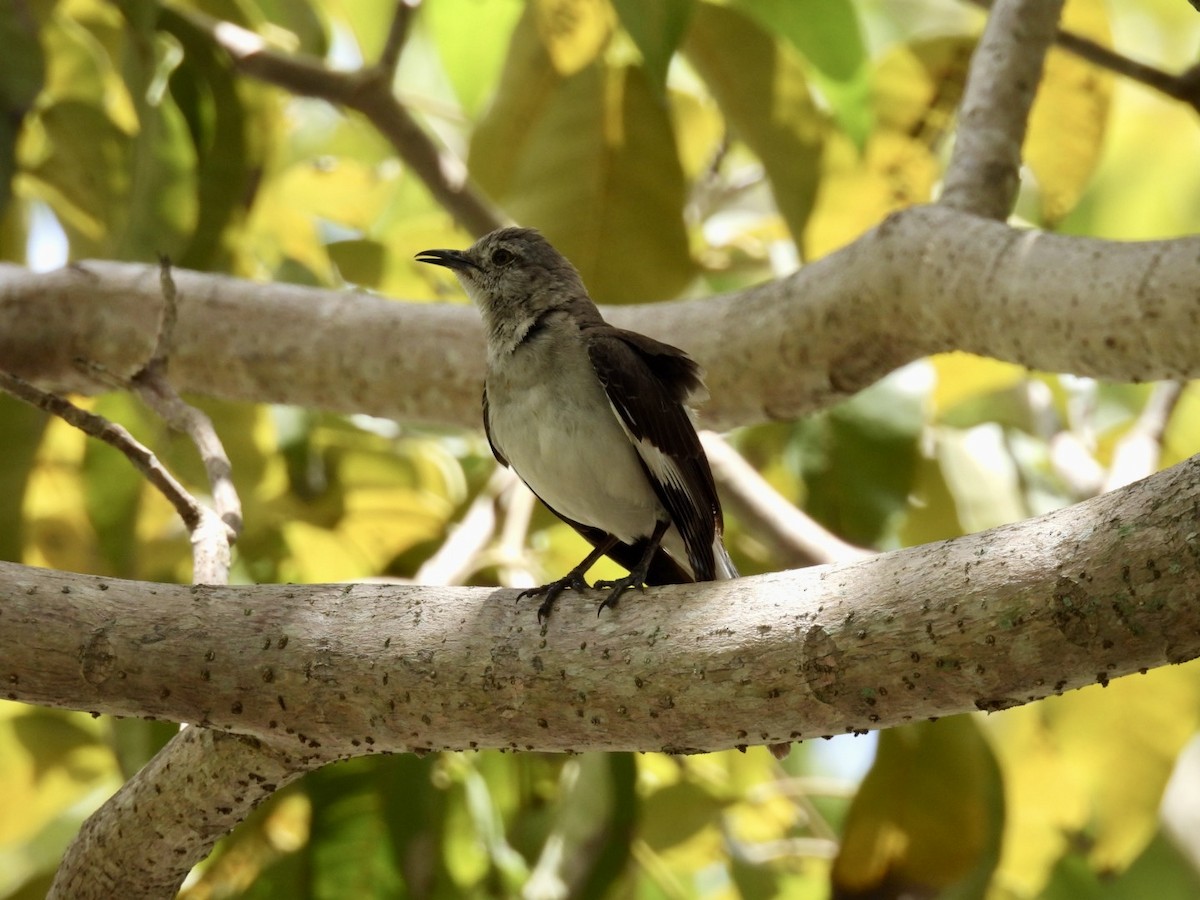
pixel 550 418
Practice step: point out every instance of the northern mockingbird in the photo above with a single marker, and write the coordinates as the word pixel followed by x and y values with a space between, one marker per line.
pixel 593 418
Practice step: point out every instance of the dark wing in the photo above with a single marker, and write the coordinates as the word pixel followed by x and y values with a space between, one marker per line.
pixel 487 429
pixel 663 569
pixel 648 384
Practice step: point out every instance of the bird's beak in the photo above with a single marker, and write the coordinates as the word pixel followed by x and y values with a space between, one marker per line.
pixel 451 259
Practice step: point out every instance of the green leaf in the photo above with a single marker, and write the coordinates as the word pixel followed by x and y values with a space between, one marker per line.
pixel 22 74
pixel 472 66
pixel 360 262
pixel 298 17
pixel 591 161
pixel 763 92
pixel 349 848
pixel 113 487
pixel 826 32
pixel 22 427
pixel 216 114
pixel 528 84
pixel 859 461
pixel 657 29
pixel 676 813
pixel 83 175
pixel 928 817
pixel 369 21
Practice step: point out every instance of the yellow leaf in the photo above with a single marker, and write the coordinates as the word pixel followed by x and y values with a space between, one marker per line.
pixel 574 32
pixel 1093 761
pixel 964 376
pixel 928 816
pixel 1070 115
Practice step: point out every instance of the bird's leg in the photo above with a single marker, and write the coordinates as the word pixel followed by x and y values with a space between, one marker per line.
pixel 637 575
pixel 573 580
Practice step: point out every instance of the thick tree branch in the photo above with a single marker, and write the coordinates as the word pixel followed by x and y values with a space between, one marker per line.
pixel 929 279
pixel 1006 68
pixel 987 621
pixel 169 816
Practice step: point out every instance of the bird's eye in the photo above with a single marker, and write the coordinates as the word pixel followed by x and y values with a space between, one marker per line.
pixel 502 257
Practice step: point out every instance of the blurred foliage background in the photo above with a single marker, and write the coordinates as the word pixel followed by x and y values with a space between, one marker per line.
pixel 674 148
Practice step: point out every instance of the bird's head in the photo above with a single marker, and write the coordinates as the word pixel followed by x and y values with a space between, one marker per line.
pixel 512 273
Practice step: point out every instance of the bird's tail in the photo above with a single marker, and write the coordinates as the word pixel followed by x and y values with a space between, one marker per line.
pixel 723 565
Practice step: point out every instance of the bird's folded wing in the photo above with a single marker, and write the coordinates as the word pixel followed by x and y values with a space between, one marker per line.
pixel 648 384
pixel 663 569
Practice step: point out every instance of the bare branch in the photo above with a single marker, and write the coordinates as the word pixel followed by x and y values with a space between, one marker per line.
pixel 397 35
pixel 115 436
pixel 1006 68
pixel 1184 87
pixel 368 91
pixel 928 280
pixel 172 813
pixel 152 386
pixel 1088 593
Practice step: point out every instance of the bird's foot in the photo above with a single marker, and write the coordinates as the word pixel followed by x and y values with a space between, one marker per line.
pixel 572 581
pixel 617 587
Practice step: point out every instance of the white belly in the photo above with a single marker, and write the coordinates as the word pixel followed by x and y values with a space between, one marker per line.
pixel 562 438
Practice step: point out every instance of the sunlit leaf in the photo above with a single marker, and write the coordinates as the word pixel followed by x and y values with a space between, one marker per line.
pixel 368 20
pixel 657 29
pixel 927 818
pixel 1182 436
pixel 54 770
pixel 1070 115
pixel 1059 757
pixel 827 32
pixel 982 476
pixel 917 85
pixel 962 376
pixel 860 188
pixel 472 65
pixel 591 161
pixel 574 32
pixel 762 90
pixel 359 262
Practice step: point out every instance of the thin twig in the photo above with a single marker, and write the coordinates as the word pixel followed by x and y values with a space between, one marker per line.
pixel 397 34
pixel 152 385
pixel 368 91
pixel 114 435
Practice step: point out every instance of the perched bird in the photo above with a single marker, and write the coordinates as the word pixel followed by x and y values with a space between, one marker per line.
pixel 593 418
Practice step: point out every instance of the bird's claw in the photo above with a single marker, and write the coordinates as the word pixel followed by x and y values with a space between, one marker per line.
pixel 616 588
pixel 573 581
